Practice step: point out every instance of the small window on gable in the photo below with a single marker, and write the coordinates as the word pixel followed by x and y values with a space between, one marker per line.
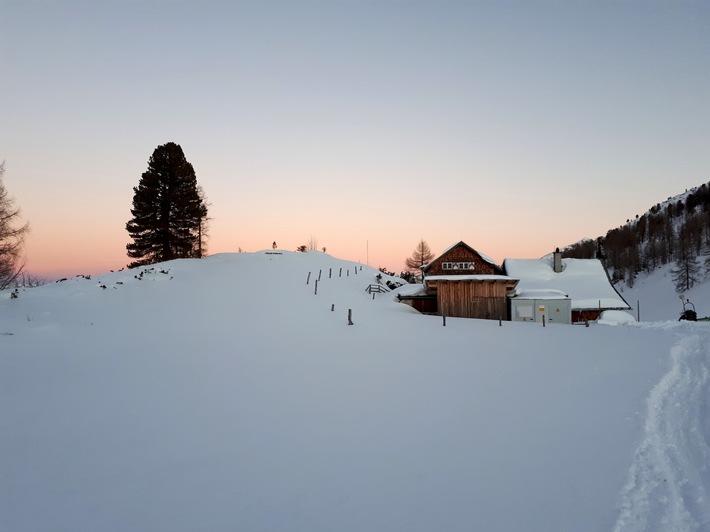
pixel 457 265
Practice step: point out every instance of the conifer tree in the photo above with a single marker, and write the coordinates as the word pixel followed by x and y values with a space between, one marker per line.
pixel 420 256
pixel 686 272
pixel 11 237
pixel 169 211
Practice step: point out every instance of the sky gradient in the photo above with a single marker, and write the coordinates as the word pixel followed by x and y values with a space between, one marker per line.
pixel 514 126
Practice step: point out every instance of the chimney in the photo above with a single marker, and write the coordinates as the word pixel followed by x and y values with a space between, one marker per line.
pixel 557 261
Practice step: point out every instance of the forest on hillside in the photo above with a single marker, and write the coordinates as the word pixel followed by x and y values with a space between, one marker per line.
pixel 676 231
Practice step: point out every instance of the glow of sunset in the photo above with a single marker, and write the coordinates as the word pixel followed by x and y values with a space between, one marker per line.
pixel 365 125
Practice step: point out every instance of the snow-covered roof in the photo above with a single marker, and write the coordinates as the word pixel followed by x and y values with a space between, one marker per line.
pixel 584 280
pixel 540 294
pixel 411 290
pixel 482 255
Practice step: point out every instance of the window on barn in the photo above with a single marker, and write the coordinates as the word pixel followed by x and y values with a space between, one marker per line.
pixel 457 265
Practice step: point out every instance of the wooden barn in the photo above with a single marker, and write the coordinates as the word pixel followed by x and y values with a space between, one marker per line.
pixel 467 284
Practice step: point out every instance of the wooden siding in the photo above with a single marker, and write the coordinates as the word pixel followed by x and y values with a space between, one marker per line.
pixel 425 305
pixel 466 299
pixel 579 316
pixel 462 253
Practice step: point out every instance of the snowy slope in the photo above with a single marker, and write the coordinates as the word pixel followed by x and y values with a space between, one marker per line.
pixel 224 394
pixel 658 300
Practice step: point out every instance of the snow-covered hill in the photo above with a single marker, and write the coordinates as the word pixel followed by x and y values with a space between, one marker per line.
pixel 658 299
pixel 225 394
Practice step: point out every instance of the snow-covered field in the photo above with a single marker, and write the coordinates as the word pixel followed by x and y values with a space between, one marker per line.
pixel 225 395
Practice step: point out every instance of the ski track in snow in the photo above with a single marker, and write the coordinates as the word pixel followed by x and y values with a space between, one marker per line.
pixel 666 490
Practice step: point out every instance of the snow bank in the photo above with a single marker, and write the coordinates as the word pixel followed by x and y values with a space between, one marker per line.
pixel 615 317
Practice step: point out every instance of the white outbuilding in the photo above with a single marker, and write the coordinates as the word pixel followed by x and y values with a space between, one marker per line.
pixel 553 306
pixel 583 281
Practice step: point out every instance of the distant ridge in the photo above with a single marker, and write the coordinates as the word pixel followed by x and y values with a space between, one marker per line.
pixel 675 231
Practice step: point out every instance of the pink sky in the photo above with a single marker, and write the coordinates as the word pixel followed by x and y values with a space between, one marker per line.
pixel 383 232
pixel 516 128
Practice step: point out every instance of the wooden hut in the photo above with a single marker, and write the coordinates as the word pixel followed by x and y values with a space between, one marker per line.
pixel 468 284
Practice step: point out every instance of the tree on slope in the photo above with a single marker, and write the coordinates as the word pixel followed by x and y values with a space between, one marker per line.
pixel 420 256
pixel 12 236
pixel 169 211
pixel 203 231
pixel 686 271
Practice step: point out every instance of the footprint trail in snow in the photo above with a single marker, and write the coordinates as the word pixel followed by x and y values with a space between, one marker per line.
pixel 666 491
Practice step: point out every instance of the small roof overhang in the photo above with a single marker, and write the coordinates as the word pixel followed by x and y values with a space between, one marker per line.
pixel 540 294
pixel 489 278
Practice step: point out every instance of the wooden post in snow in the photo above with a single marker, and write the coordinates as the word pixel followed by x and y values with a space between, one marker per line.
pixel 350 316
pixel 444 320
pixel 316 292
pixel 319 272
pixel 330 272
pixel 332 307
pixel 309 278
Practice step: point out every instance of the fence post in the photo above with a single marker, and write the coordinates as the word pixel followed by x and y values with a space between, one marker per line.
pixel 309 278
pixel 332 307
pixel 444 320
pixel 543 320
pixel 330 272
pixel 350 316
pixel 316 292
pixel 373 296
pixel 340 273
pixel 319 272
